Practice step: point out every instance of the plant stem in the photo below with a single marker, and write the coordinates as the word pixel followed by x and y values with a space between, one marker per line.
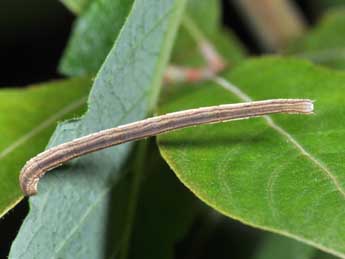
pixel 214 61
pixel 275 22
pixel 36 167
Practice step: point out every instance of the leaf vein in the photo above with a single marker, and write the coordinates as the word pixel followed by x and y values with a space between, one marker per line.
pixel 244 97
pixel 45 124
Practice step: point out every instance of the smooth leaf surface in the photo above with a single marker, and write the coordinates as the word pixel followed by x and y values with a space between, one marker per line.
pixel 285 175
pixel 205 14
pixel 68 218
pixel 28 117
pixel 324 44
pixel 93 36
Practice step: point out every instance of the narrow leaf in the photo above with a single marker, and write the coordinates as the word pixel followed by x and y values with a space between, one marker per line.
pixel 68 218
pixel 93 36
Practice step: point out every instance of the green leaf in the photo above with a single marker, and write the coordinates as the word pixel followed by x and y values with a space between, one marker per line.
pixel 93 36
pixel 144 205
pixel 86 52
pixel 202 21
pixel 187 53
pixel 27 118
pixel 77 6
pixel 68 218
pixel 325 44
pixel 205 14
pixel 274 246
pixel 285 175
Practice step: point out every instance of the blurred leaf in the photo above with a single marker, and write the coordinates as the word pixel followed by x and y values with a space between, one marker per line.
pixel 95 32
pixel 164 222
pixel 331 3
pixel 93 36
pixel 286 176
pixel 27 118
pixel 203 18
pixel 166 210
pixel 206 14
pixel 324 44
pixel 68 218
pixel 322 255
pixel 274 246
pixel 77 6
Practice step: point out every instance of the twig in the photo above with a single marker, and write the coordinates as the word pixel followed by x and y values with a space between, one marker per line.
pixel 275 22
pixel 36 167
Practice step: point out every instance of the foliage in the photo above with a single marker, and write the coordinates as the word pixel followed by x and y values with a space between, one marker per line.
pixel 283 174
pixel 324 44
pixel 116 88
pixel 39 107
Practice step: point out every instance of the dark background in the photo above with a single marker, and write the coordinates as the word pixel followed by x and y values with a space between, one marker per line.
pixel 33 36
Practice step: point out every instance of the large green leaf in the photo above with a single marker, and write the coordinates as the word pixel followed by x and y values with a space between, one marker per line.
pixel 68 218
pixel 27 118
pixel 324 44
pixel 284 174
pixel 93 36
